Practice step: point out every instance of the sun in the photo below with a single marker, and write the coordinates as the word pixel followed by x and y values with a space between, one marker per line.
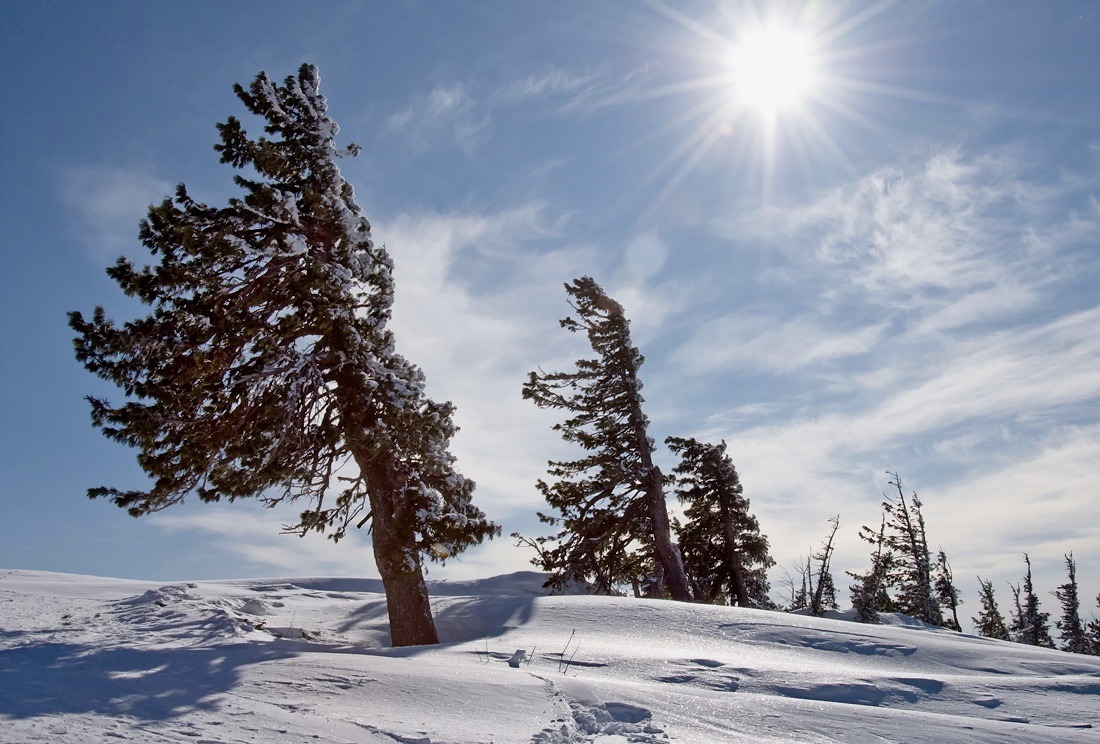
pixel 768 94
pixel 772 69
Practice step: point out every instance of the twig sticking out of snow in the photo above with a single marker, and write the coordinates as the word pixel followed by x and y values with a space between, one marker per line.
pixel 563 665
pixel 575 649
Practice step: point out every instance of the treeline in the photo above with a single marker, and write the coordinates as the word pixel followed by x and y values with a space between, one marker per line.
pixel 1028 623
pixel 905 577
pixel 612 531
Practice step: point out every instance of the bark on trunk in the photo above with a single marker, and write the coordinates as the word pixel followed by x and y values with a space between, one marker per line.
pixel 392 528
pixel 733 559
pixel 668 555
pixel 410 612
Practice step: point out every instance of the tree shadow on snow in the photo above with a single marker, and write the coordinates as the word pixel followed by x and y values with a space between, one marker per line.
pixel 150 684
pixel 467 619
pixel 483 617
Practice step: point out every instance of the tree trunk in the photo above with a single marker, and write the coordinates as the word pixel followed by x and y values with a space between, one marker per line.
pixel 410 612
pixel 732 559
pixel 392 528
pixel 668 555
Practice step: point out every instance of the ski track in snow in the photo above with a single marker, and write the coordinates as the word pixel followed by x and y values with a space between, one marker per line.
pixel 86 659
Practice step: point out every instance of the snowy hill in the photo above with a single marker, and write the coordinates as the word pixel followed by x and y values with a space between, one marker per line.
pixel 86 659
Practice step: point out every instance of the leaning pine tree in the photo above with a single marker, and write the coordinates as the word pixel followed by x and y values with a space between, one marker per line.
pixel 1074 637
pixel 724 551
pixel 989 622
pixel 869 592
pixel 265 367
pixel 1032 625
pixel 613 514
pixel 907 540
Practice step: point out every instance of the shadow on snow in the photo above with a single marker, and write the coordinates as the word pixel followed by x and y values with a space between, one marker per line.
pixel 151 684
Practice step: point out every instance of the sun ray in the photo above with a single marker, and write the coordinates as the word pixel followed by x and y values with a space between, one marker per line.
pixel 779 92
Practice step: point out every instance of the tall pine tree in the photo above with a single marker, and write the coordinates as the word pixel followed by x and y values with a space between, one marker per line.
pixel 725 555
pixel 266 368
pixel 989 622
pixel 1092 632
pixel 612 513
pixel 869 592
pixel 1072 629
pixel 912 569
pixel 946 592
pixel 1032 624
pixel 823 595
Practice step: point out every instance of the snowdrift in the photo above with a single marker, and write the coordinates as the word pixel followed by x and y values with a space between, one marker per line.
pixel 87 659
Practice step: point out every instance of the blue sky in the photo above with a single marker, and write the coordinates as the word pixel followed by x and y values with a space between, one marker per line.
pixel 893 268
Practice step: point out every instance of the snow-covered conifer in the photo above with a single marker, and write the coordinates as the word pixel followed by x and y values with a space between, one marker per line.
pixel 266 368
pixel 823 595
pixel 1072 629
pixel 612 514
pixel 946 592
pixel 1092 632
pixel 725 555
pixel 989 622
pixel 912 570
pixel 869 592
pixel 1032 624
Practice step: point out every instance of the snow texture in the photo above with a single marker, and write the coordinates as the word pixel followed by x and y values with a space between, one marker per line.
pixel 86 659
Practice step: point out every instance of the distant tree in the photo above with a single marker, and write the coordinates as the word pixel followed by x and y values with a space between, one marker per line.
pixel 725 555
pixel 946 592
pixel 989 622
pixel 824 593
pixel 1074 638
pixel 1033 624
pixel 796 583
pixel 912 568
pixel 1092 632
pixel 266 369
pixel 612 513
pixel 869 595
pixel 1016 621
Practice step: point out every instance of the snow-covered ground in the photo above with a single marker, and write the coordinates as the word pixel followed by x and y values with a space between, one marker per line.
pixel 85 659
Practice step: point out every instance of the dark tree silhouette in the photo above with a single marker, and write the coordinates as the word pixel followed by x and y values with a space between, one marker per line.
pixel 613 513
pixel 265 367
pixel 724 552
pixel 1074 638
pixel 989 622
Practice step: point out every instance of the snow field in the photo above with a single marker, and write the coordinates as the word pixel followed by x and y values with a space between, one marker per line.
pixel 85 659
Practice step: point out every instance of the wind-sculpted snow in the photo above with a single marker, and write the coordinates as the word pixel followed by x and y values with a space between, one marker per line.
pixel 86 659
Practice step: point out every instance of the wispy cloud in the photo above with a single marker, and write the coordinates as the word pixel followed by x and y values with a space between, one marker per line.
pixel 106 203
pixel 1040 502
pixel 553 83
pixel 463 113
pixel 935 329
pixel 762 343
pixel 253 533
pixel 1017 376
pixel 923 236
pixel 478 296
pixel 902 233
pixel 446 113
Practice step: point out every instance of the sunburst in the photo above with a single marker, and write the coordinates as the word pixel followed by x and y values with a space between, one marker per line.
pixel 774 80
pixel 773 68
